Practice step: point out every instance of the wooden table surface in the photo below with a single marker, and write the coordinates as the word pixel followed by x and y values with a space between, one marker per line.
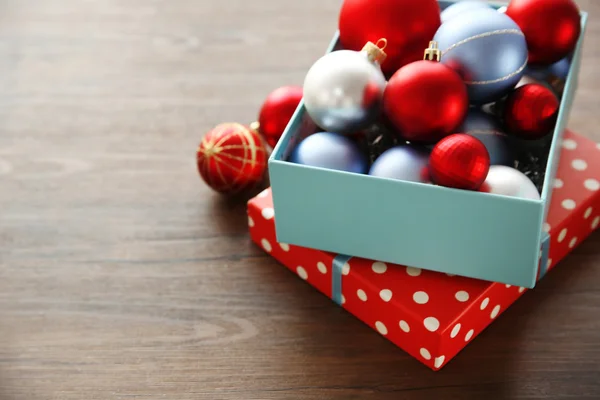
pixel 123 277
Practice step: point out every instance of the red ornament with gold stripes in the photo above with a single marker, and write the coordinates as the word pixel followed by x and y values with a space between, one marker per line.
pixel 232 158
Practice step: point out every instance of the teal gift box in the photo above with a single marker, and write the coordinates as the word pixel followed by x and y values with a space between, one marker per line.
pixel 471 234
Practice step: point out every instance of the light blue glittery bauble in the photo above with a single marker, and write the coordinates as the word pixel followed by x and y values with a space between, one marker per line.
pixel 461 7
pixel 330 151
pixel 485 128
pixel 406 163
pixel 487 49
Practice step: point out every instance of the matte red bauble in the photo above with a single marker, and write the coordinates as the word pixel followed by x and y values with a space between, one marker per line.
pixel 276 112
pixel 459 161
pixel 407 25
pixel 231 158
pixel 425 101
pixel 531 111
pixel 551 27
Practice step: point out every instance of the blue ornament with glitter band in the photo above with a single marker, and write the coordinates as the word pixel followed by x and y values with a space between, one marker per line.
pixel 330 151
pixel 462 7
pixel 406 163
pixel 488 49
pixel 485 128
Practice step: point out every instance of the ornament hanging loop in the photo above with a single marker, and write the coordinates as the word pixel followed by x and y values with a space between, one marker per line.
pixel 375 52
pixel 433 53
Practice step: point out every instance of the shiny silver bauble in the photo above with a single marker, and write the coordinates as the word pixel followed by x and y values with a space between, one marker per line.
pixel 507 181
pixel 343 92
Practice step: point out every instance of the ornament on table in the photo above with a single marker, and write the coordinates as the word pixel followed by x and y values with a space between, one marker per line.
pixel 531 111
pixel 231 158
pixel 459 161
pixel 277 111
pixel 551 27
pixel 487 129
pixel 331 151
pixel 487 49
pixel 343 90
pixel 507 181
pixel 408 25
pixel 407 163
pixel 462 7
pixel 425 100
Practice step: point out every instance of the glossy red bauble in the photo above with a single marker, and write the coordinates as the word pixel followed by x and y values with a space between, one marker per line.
pixel 531 111
pixel 407 25
pixel 551 27
pixel 231 158
pixel 276 112
pixel 459 161
pixel 425 101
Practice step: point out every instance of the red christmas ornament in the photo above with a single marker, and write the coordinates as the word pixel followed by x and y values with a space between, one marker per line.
pixel 530 111
pixel 231 158
pixel 459 161
pixel 276 112
pixel 551 27
pixel 426 101
pixel 408 26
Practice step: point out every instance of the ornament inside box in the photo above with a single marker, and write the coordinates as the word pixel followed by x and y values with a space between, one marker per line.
pixel 460 149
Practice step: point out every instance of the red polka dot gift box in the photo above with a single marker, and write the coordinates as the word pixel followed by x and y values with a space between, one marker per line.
pixel 432 315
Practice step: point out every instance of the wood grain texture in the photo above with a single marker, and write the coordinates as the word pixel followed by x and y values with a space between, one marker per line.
pixel 123 277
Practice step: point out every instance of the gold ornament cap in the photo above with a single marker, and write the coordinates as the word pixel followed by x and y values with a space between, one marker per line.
pixel 433 53
pixel 375 51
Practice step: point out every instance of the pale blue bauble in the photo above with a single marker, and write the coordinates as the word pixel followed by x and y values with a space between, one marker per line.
pixel 406 163
pixel 331 151
pixel 559 69
pixel 461 7
pixel 488 49
pixel 487 129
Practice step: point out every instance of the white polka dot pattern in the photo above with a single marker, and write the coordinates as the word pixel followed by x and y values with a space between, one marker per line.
pixel 569 204
pixel 381 328
pixel 266 245
pixel 346 269
pixel 425 353
pixel 431 324
pixel 495 312
pixel 439 361
pixel 250 222
pixel 569 144
pixel 322 267
pixel 455 331
pixel 595 222
pixel 572 243
pixel 284 246
pixel 484 303
pixel 386 295
pixel 562 235
pixel 469 335
pixel 421 297
pixel 413 271
pixel 379 267
pixel 268 213
pixel 361 294
pixel 588 212
pixel 558 183
pixel 579 165
pixel 302 273
pixel 462 296
pixel 591 184
pixel 404 326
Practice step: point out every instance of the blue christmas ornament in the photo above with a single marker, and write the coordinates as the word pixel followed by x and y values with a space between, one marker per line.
pixel 330 151
pixel 406 163
pixel 462 7
pixel 485 128
pixel 488 49
pixel 558 70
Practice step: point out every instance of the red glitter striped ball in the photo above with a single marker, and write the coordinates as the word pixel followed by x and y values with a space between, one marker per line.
pixel 459 161
pixel 231 158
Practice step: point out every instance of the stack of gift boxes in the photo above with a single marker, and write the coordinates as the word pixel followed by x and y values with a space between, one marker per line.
pixel 426 196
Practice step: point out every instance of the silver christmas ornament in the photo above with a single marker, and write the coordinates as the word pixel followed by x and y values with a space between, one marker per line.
pixel 343 90
pixel 507 181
